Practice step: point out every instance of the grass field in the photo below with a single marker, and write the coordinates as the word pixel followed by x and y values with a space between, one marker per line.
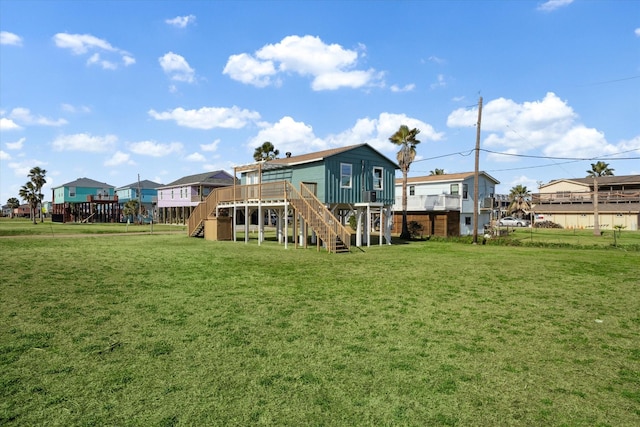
pixel 162 330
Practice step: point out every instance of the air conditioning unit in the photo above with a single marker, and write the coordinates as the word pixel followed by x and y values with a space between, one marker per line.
pixel 369 196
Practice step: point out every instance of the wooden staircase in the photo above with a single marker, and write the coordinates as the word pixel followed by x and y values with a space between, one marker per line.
pixel 328 229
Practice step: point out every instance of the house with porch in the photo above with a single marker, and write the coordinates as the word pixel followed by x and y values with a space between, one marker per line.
pixel 179 198
pixel 85 200
pixel 444 204
pixel 569 202
pixel 145 192
pixel 315 193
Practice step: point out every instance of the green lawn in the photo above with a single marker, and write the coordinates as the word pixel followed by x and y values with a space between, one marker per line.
pixel 25 227
pixel 168 330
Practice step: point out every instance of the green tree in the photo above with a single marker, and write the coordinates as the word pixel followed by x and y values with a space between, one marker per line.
pixel 437 172
pixel 130 208
pixel 265 152
pixel 13 203
pixel 520 197
pixel 597 170
pixel 406 139
pixel 28 194
pixel 37 176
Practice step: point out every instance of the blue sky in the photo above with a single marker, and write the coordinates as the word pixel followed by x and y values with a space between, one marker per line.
pixel 111 89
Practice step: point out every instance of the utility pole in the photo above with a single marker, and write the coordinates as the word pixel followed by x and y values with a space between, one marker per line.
pixel 476 176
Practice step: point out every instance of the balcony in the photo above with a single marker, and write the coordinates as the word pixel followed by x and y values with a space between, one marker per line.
pixel 604 196
pixel 436 202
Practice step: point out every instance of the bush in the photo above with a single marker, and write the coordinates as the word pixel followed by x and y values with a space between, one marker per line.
pixel 546 224
pixel 415 229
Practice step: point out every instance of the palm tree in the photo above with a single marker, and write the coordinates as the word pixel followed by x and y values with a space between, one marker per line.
pixel 265 152
pixel 597 170
pixel 520 198
pixel 13 203
pixel 437 172
pixel 406 139
pixel 37 177
pixel 28 194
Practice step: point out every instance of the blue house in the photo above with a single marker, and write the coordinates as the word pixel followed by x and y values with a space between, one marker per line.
pixel 85 200
pixel 145 192
pixel 318 192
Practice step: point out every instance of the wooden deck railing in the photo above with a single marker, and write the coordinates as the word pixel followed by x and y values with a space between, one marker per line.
pixel 304 202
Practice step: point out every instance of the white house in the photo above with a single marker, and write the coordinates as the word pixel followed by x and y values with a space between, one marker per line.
pixel 443 204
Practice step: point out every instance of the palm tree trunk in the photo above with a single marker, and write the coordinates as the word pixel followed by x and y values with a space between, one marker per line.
pixel 596 221
pixel 405 227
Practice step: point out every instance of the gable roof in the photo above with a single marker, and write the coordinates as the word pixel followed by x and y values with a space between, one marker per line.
pixel 316 156
pixel 144 184
pixel 602 180
pixel 447 177
pixel 85 183
pixel 218 177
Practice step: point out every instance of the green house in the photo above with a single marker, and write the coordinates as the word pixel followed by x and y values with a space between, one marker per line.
pixel 326 196
pixel 85 200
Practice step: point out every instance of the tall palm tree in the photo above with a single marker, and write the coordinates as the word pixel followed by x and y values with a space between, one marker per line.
pixel 406 139
pixel 28 194
pixel 597 170
pixel 37 177
pixel 437 171
pixel 520 198
pixel 265 152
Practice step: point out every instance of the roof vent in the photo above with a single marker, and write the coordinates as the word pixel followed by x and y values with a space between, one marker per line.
pixel 288 154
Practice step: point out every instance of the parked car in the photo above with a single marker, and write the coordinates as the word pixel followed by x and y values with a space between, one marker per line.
pixel 509 221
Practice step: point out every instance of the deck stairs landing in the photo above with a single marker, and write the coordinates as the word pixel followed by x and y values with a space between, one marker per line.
pixel 336 237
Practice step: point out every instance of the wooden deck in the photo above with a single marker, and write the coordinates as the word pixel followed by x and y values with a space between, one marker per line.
pixel 227 200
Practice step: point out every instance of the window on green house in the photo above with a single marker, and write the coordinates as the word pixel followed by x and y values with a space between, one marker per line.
pixel 345 175
pixel 72 191
pixel 377 178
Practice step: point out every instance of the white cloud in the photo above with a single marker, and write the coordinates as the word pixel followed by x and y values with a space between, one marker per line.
pixel 10 39
pixel 22 168
pixel 81 44
pixel 549 125
pixel 246 69
pixel 441 82
pixel 84 142
pixel 119 158
pixel 181 21
pixel 637 32
pixel 8 124
pixel 73 109
pixel 551 5
pixel 437 60
pixel 209 117
pixel 330 66
pixel 288 135
pixel 177 67
pixel 195 157
pixel 299 138
pixel 24 116
pixel 405 88
pixel 4 155
pixel 106 65
pixel 210 147
pixel 155 149
pixel 16 145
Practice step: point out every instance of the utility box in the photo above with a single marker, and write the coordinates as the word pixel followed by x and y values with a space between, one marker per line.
pixel 219 228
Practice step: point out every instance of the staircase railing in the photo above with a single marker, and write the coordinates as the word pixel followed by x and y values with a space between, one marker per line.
pixel 326 226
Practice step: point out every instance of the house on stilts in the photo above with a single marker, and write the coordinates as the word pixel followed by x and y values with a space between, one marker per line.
pixel 308 198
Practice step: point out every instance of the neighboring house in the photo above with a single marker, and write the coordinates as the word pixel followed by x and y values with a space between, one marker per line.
pixel 7 211
pixel 85 200
pixel 177 199
pixel 46 208
pixel 443 204
pixel 22 211
pixel 569 202
pixel 145 192
pixel 318 192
